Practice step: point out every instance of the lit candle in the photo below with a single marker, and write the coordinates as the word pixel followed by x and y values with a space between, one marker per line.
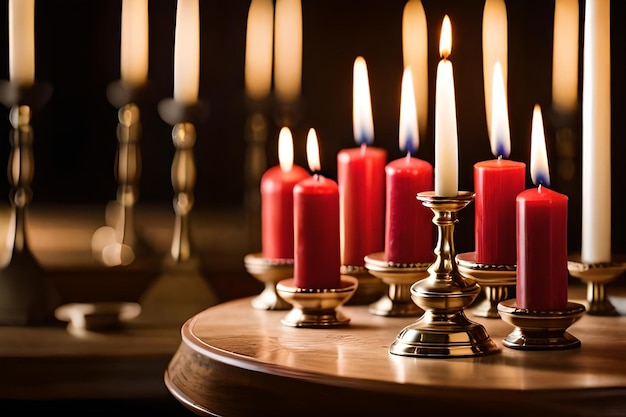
pixel 497 183
pixel 187 52
pixel 495 49
pixel 446 141
pixel 134 46
pixel 596 124
pixel 361 178
pixel 316 220
pixel 22 42
pixel 259 44
pixel 409 230
pixel 541 234
pixel 415 55
pixel 288 50
pixel 277 201
pixel 565 56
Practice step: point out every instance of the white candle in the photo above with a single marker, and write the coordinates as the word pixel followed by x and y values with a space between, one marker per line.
pixel 565 56
pixel 415 55
pixel 446 141
pixel 22 42
pixel 134 46
pixel 495 49
pixel 259 44
pixel 187 52
pixel 288 50
pixel 596 125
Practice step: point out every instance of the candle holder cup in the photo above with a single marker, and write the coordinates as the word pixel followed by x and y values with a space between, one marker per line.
pixel 316 308
pixel 398 278
pixel 443 331
pixel 269 272
pixel 596 276
pixel 540 330
pixel 497 282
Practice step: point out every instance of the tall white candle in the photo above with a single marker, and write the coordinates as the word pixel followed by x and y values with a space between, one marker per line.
pixel 565 56
pixel 596 125
pixel 446 140
pixel 495 49
pixel 288 50
pixel 22 42
pixel 134 46
pixel 415 55
pixel 259 44
pixel 187 52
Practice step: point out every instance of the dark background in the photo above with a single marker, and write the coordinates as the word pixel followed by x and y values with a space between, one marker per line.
pixel 77 51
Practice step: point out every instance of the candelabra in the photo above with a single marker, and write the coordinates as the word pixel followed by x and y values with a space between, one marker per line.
pixel 27 296
pixel 596 276
pixel 443 330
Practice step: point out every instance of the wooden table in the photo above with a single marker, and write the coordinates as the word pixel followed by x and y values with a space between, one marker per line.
pixel 234 360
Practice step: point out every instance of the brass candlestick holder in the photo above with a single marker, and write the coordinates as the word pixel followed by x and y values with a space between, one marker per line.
pixel 398 278
pixel 596 276
pixel 316 308
pixel 370 288
pixel 27 296
pixel 269 272
pixel 540 330
pixel 256 133
pixel 497 281
pixel 443 331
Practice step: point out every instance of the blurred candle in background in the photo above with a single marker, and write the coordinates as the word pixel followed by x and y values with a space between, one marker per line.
pixel 259 44
pixel 495 49
pixel 415 56
pixel 565 57
pixel 22 42
pixel 596 174
pixel 288 50
pixel 361 179
pixel 408 230
pixel 187 52
pixel 134 46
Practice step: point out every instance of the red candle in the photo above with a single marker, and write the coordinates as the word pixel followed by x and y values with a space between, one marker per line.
pixel 277 185
pixel 496 184
pixel 316 220
pixel 541 235
pixel 409 228
pixel 361 179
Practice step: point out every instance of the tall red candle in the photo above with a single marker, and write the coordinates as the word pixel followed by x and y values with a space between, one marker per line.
pixel 496 185
pixel 316 220
pixel 361 181
pixel 408 224
pixel 277 183
pixel 541 235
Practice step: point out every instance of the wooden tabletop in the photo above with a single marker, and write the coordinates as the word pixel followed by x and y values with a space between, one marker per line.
pixel 235 360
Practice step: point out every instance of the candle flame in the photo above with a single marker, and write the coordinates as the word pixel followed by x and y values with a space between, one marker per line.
pixel 313 151
pixel 539 171
pixel 500 135
pixel 409 136
pixel 445 41
pixel 362 121
pixel 285 149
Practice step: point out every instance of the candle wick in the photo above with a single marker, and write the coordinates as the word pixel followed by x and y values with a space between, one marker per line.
pixel 408 156
pixel 499 157
pixel 316 176
pixel 363 148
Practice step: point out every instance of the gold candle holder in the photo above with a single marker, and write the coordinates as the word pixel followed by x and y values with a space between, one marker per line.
pixel 596 276
pixel 497 282
pixel 443 331
pixel 269 272
pixel 398 278
pixel 370 287
pixel 540 330
pixel 316 308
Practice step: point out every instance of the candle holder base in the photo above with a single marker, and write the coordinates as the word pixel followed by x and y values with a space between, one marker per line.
pixel 370 287
pixel 596 276
pixel 269 272
pixel 83 318
pixel 399 278
pixel 540 330
pixel 497 281
pixel 316 308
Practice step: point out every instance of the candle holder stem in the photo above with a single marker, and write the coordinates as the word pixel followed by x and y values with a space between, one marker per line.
pixel 256 133
pixel 444 331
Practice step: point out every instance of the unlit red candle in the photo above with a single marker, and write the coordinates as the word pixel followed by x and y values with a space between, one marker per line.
pixel 316 220
pixel 542 235
pixel 22 42
pixel 277 183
